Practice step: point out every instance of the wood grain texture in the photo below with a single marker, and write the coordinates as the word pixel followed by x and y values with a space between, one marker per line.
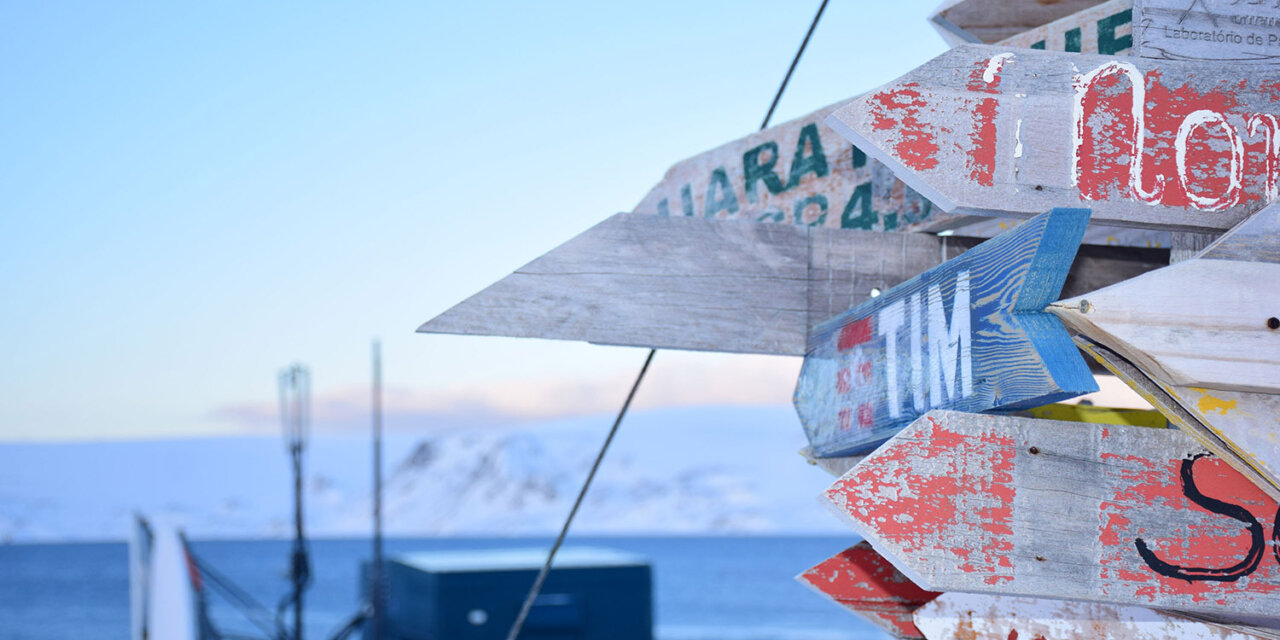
pixel 1097 234
pixel 691 283
pixel 970 334
pixel 1104 513
pixel 1203 322
pixel 803 173
pixel 1254 240
pixel 836 466
pixel 1197 323
pixel 799 172
pixel 1238 32
pixel 862 581
pixel 996 20
pixel 1240 428
pixel 1104 28
pixel 998 131
pixel 987 617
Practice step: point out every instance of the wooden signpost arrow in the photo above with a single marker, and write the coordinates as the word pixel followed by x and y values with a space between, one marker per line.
pixel 799 172
pixel 1185 146
pixel 970 334
pixel 995 20
pixel 1104 28
pixel 693 283
pixel 862 581
pixel 1208 322
pixel 1238 427
pixel 1107 513
pixel 987 617
pixel 1232 31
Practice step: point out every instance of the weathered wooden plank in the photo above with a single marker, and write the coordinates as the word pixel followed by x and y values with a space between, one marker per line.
pixel 1106 513
pixel 995 20
pixel 1238 427
pixel 803 173
pixel 799 172
pixel 986 617
pixel 692 283
pixel 1228 31
pixel 872 370
pixel 1104 28
pixel 862 581
pixel 1098 415
pixel 1198 323
pixel 994 131
pixel 1205 322
pixel 836 466
pixel 1097 234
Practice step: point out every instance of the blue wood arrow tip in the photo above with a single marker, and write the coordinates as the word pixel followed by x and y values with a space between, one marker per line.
pixel 970 334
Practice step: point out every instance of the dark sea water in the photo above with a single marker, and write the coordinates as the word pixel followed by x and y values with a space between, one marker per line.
pixel 705 588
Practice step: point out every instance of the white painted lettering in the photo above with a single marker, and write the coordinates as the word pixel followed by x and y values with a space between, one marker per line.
pixel 1202 119
pixel 949 346
pixel 916 329
pixel 887 325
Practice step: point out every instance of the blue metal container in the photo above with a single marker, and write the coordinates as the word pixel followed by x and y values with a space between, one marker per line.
pixel 590 594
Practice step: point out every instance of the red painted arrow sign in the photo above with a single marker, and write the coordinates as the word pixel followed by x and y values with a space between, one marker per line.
pixel 862 581
pixel 1126 515
pixel 1191 146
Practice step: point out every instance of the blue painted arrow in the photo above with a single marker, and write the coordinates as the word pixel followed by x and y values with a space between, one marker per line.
pixel 970 334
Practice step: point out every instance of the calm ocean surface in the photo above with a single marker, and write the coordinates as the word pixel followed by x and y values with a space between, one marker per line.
pixel 705 588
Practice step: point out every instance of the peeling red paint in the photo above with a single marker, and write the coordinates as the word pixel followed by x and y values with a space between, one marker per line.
pixel 854 334
pixel 1207 540
pixel 899 110
pixel 866 583
pixel 981 161
pixel 916 512
pixel 1140 138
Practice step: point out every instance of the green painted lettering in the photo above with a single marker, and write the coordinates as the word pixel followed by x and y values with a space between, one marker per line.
pixel 803 204
pixel 753 171
pixel 772 215
pixel 859 158
pixel 815 163
pixel 686 200
pixel 726 201
pixel 1073 40
pixel 1108 43
pixel 868 217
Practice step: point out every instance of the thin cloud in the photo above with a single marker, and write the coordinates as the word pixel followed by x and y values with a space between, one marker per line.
pixel 675 380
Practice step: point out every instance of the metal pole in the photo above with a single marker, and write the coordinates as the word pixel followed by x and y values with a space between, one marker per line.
pixel 299 557
pixel 375 589
pixel 295 400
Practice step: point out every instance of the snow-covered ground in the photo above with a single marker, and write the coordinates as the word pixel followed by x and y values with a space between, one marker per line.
pixel 685 470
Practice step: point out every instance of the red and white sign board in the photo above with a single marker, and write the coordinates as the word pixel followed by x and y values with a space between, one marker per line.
pixel 862 581
pixel 986 130
pixel 1107 513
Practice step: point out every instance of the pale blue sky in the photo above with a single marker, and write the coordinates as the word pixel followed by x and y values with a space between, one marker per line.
pixel 192 197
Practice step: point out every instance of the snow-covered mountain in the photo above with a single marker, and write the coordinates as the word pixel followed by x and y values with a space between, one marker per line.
pixel 688 470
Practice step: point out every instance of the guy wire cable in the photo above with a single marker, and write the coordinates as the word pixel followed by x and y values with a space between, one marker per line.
pixel 582 493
